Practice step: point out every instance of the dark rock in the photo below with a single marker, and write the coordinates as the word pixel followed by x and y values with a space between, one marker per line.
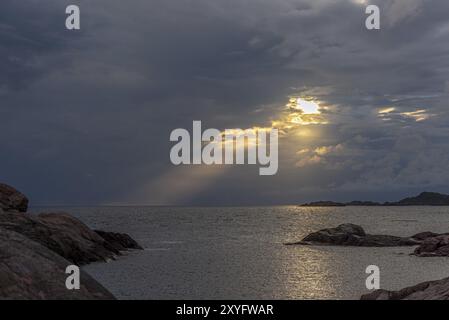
pixel 323 204
pixel 12 200
pixel 353 235
pixel 62 234
pixel 431 290
pixel 119 241
pixel 29 270
pixel 425 235
pixel 434 247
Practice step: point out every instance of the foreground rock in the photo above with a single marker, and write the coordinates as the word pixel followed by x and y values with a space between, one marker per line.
pixel 67 236
pixel 12 200
pixel 434 247
pixel 29 270
pixel 431 290
pixel 354 235
pixel 36 250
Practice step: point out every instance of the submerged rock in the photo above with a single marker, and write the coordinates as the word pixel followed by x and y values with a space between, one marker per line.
pixel 12 200
pixel 29 270
pixel 64 235
pixel 430 290
pixel 353 235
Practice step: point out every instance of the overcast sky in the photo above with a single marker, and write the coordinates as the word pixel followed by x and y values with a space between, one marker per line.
pixel 85 116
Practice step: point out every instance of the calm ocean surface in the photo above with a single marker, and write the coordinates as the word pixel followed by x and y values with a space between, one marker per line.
pixel 238 253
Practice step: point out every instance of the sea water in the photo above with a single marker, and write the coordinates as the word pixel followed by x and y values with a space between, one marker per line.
pixel 239 252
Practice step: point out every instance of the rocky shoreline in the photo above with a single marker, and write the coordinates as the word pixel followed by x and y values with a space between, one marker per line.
pixel 429 290
pixel 35 251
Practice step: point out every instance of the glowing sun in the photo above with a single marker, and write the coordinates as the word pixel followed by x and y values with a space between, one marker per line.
pixel 308 107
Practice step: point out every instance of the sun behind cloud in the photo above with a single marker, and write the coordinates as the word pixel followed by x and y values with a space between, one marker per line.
pixel 300 111
pixel 308 106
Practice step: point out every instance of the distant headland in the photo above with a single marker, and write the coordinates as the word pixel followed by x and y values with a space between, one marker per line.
pixel 423 199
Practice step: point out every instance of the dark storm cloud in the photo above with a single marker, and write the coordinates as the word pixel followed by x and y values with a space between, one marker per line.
pixel 86 115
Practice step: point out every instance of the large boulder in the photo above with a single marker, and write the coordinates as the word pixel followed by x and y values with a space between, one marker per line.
pixel 353 235
pixel 64 235
pixel 29 270
pixel 434 247
pixel 431 290
pixel 12 200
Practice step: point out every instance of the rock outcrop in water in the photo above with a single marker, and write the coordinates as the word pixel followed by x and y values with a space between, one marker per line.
pixel 434 247
pixel 431 290
pixel 35 250
pixel 118 241
pixel 354 235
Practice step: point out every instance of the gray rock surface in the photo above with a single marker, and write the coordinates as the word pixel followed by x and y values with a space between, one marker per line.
pixel 431 290
pixel 36 250
pixel 434 247
pixel 12 200
pixel 64 235
pixel 119 241
pixel 29 270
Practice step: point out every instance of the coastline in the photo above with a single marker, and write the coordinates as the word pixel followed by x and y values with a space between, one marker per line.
pixel 37 251
pixel 179 236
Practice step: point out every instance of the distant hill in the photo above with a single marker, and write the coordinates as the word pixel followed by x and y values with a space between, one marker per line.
pixel 324 204
pixel 423 199
pixel 363 203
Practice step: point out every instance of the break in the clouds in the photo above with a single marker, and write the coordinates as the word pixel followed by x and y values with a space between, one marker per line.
pixel 86 116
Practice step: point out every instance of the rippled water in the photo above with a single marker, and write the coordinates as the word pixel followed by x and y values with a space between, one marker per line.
pixel 238 253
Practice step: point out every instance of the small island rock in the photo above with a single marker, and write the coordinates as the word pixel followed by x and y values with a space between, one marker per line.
pixel 434 247
pixel 353 235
